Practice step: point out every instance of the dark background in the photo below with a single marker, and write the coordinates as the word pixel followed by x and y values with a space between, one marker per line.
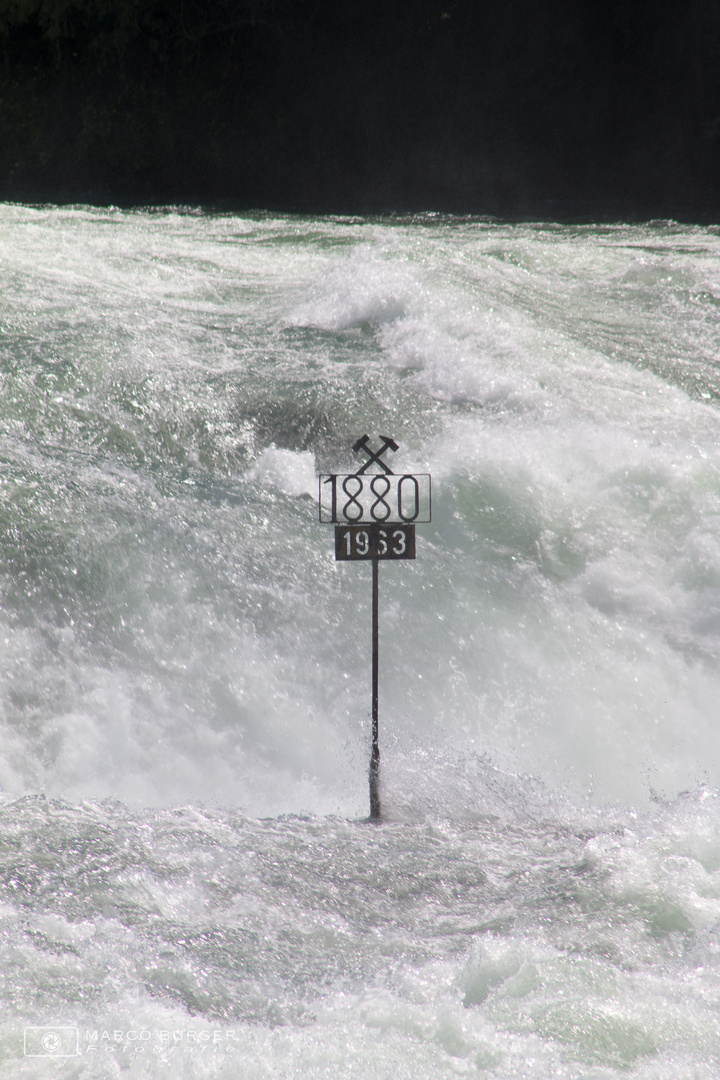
pixel 562 109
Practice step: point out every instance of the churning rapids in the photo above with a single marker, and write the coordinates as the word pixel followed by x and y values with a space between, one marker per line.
pixel 188 887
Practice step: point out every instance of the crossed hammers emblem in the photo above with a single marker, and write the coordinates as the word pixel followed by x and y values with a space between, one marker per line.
pixel 375 457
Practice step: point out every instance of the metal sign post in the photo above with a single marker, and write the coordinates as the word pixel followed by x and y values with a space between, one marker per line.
pixel 374 516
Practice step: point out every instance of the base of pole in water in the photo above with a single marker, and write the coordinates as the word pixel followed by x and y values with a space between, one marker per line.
pixel 374 789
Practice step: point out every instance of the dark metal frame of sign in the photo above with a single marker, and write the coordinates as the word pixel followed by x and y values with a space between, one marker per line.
pixel 374 516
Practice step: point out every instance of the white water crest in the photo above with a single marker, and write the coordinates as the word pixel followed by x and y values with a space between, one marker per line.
pixel 184 675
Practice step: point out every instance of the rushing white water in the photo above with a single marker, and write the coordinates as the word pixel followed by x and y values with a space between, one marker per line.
pixel 184 686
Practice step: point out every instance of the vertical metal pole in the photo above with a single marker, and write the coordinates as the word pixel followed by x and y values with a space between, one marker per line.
pixel 375 754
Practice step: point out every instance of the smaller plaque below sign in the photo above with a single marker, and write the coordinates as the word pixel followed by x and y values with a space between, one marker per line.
pixel 374 542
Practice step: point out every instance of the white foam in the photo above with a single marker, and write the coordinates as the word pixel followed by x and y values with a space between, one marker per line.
pixel 292 472
pixel 363 288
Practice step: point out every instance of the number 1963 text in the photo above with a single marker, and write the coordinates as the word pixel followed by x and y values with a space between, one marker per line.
pixel 374 542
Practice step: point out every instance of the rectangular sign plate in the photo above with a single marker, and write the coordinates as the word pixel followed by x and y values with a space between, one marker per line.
pixel 374 542
pixel 375 498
